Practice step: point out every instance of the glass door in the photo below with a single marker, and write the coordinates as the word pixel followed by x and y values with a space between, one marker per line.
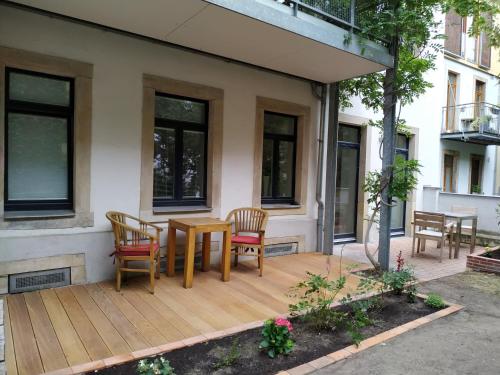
pixel 346 204
pixel 398 212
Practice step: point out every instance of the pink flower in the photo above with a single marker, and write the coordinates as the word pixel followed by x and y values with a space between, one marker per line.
pixel 282 322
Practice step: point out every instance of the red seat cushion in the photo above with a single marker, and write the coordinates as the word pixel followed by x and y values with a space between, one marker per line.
pixel 136 250
pixel 246 240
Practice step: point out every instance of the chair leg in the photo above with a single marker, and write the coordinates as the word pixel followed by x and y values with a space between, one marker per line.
pixel 236 256
pixel 423 246
pixel 125 274
pixel 441 250
pixel 157 274
pixel 418 246
pixel 261 261
pixel 413 247
pixel 118 274
pixel 450 243
pixel 152 277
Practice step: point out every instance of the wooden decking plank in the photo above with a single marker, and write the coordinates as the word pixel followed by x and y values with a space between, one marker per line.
pixel 51 353
pixel 185 328
pixel 128 331
pixel 27 355
pixel 96 348
pixel 149 332
pixel 10 355
pixel 169 331
pixel 102 323
pixel 214 316
pixel 72 346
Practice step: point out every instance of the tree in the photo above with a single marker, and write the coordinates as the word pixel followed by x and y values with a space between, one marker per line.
pixel 410 30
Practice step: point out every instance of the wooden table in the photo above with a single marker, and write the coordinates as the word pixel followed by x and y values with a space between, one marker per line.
pixel 459 218
pixel 192 226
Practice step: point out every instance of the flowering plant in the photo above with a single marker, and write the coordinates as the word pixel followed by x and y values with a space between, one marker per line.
pixel 158 366
pixel 277 337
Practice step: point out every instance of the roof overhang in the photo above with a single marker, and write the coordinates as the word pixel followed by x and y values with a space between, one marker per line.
pixel 263 33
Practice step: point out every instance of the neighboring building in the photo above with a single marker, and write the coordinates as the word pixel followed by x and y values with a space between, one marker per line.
pixel 165 109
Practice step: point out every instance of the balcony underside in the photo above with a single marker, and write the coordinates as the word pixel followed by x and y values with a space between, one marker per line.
pixel 263 33
pixel 473 137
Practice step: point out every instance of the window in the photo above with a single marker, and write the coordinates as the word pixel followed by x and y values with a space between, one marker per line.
pixel 398 211
pixel 180 151
pixel 449 172
pixel 346 206
pixel 451 101
pixel 39 141
pixel 476 174
pixel 278 159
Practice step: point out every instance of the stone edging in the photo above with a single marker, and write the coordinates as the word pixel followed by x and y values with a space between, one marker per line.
pixel 299 370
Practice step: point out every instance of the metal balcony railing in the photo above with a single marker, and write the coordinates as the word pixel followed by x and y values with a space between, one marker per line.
pixel 481 118
pixel 340 12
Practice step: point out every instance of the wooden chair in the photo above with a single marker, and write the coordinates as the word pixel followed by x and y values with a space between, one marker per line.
pixel 135 243
pixel 249 226
pixel 440 231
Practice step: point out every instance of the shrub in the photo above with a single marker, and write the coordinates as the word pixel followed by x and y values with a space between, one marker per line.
pixel 230 358
pixel 402 280
pixel 277 337
pixel 315 295
pixel 158 366
pixel 435 300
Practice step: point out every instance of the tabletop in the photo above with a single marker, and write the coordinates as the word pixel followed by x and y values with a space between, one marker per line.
pixel 460 215
pixel 197 222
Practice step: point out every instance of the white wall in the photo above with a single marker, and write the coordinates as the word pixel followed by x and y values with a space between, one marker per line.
pixel 119 63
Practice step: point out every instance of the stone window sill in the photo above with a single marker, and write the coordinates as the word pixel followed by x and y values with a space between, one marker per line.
pixel 38 215
pixel 280 206
pixel 180 209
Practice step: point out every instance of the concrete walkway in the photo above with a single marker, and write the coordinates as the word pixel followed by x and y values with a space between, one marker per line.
pixel 464 343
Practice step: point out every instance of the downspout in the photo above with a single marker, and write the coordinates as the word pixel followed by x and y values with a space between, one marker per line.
pixel 319 91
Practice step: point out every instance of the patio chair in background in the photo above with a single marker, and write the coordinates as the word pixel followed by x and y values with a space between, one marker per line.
pixel 249 226
pixel 440 231
pixel 135 243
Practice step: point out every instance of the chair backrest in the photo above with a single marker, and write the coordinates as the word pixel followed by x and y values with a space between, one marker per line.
pixel 429 220
pixel 123 232
pixel 464 210
pixel 248 219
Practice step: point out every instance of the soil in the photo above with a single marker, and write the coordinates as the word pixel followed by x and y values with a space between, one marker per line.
pixel 370 272
pixel 495 254
pixel 310 344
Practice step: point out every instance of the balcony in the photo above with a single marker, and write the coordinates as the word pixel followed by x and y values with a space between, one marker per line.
pixel 474 123
pixel 304 39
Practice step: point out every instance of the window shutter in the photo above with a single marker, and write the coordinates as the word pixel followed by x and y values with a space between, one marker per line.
pixel 453 31
pixel 485 57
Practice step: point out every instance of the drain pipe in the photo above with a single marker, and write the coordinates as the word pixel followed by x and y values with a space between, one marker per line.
pixel 320 91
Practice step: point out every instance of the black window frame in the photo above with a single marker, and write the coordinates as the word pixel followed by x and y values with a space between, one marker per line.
pixel 40 109
pixel 179 127
pixel 351 237
pixel 277 138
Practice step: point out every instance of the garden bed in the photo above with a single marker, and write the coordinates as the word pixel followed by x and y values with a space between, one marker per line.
pixel 486 261
pixel 206 357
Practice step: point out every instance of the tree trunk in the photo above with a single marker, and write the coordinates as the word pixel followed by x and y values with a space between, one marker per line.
pixel 389 136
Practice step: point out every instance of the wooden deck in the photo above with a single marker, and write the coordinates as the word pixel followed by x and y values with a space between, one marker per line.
pixel 57 328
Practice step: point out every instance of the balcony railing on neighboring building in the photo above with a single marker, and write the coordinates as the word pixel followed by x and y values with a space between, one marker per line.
pixel 473 122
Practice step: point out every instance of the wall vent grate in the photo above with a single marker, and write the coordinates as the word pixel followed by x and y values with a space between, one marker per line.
pixel 29 281
pixel 281 249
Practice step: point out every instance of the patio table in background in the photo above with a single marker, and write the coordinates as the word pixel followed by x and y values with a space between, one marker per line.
pixel 459 218
pixel 192 226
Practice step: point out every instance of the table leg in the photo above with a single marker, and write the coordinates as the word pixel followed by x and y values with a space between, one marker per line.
pixel 189 258
pixel 459 238
pixel 226 255
pixel 205 254
pixel 473 236
pixel 171 251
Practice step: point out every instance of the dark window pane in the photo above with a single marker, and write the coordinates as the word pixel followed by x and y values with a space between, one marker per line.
pixel 345 207
pixel 285 177
pixel 37 157
pixel 348 134
pixel 193 161
pixel 37 89
pixel 401 142
pixel 279 124
pixel 164 163
pixel 267 169
pixel 180 110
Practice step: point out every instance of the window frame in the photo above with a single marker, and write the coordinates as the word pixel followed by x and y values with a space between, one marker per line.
pixel 276 139
pixel 40 109
pixel 179 127
pixel 405 152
